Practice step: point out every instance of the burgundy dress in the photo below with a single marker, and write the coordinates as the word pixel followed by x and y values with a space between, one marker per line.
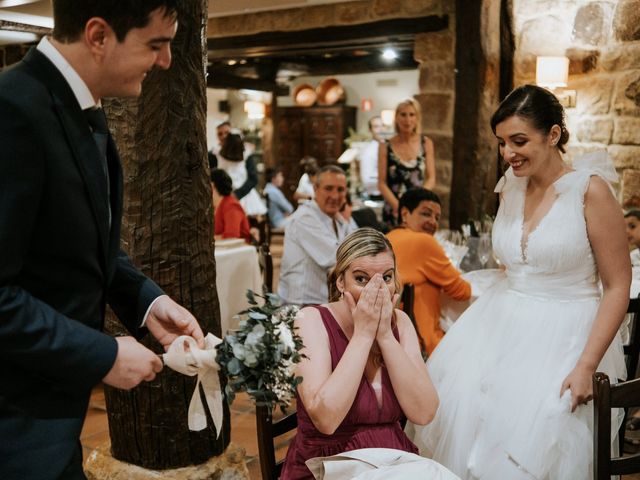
pixel 366 425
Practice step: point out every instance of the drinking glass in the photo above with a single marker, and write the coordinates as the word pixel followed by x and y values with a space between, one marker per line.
pixel 484 249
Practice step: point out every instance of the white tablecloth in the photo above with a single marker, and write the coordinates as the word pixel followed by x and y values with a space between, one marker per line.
pixel 237 270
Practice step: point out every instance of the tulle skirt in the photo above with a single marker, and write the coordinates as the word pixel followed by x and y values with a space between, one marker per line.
pixel 498 372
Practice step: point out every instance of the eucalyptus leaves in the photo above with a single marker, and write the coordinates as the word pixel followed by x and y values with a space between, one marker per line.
pixel 260 356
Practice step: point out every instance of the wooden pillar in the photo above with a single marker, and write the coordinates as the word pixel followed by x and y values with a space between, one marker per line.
pixel 478 83
pixel 167 230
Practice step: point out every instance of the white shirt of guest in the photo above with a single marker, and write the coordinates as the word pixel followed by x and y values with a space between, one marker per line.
pixel 310 245
pixel 368 157
pixel 79 88
pixel 305 187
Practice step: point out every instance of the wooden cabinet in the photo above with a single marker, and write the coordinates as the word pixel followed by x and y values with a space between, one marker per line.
pixel 309 131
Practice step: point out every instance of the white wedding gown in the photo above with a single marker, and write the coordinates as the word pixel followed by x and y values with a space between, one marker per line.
pixel 499 369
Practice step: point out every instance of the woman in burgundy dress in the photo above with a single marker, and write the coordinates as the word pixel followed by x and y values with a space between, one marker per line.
pixel 363 372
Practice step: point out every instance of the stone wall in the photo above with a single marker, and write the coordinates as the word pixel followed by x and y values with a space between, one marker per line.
pixel 602 41
pixel 435 53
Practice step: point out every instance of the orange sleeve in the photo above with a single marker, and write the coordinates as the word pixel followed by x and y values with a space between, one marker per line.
pixel 437 268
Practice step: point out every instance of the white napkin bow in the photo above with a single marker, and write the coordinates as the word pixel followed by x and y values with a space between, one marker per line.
pixel 186 357
pixel 377 464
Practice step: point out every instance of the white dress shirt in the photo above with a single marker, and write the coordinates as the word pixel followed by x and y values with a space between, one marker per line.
pixel 79 88
pixel 310 245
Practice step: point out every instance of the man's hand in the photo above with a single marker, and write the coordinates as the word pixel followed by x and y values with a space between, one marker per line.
pixel 167 321
pixel 134 363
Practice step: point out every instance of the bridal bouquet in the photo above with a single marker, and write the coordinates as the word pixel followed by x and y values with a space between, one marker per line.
pixel 260 356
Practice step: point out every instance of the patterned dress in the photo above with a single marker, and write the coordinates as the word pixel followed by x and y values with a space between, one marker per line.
pixel 401 177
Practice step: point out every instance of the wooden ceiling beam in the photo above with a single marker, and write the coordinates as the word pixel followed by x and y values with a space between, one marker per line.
pixel 324 38
pixel 217 78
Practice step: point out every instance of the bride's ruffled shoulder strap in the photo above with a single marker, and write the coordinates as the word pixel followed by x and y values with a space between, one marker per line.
pixel 509 182
pixel 592 163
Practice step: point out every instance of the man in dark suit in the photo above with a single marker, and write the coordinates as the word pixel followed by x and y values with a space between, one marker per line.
pixel 60 212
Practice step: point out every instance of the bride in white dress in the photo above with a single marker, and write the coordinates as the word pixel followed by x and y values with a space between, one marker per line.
pixel 514 372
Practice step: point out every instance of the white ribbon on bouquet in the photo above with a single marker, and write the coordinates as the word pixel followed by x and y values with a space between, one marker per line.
pixel 184 356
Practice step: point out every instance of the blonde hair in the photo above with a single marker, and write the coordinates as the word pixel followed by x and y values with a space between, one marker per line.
pixel 361 243
pixel 410 102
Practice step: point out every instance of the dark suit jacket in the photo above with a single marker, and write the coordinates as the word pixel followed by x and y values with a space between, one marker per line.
pixel 59 265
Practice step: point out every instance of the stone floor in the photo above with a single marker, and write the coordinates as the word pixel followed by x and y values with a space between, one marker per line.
pixel 243 429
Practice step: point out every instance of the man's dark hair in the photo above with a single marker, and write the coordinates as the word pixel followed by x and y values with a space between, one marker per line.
pixel 414 196
pixel 71 16
pixel 222 181
pixel 271 172
pixel 537 105
pixel 633 213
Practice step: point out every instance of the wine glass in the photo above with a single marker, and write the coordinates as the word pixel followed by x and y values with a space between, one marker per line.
pixel 484 249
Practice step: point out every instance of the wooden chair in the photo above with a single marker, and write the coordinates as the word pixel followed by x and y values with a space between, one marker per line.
pixel 632 354
pixel 606 397
pixel 407 299
pixel 632 350
pixel 261 224
pixel 266 266
pixel 268 431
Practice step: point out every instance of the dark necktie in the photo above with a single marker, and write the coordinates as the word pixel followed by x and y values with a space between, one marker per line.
pixel 100 131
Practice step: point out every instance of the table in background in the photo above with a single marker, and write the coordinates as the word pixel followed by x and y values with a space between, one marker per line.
pixel 237 270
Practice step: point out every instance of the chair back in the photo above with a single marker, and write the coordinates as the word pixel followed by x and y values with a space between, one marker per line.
pixel 606 397
pixel 266 266
pixel 631 354
pixel 632 350
pixel 261 225
pixel 268 431
pixel 407 299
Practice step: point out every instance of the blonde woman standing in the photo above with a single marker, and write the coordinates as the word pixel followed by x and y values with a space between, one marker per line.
pixel 406 161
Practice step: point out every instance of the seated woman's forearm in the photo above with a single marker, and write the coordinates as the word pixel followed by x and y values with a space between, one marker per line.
pixel 330 404
pixel 411 383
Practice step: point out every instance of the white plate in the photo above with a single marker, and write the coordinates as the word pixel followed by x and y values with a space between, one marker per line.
pixel 230 243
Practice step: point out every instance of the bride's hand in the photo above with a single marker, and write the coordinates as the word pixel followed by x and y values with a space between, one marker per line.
pixel 581 386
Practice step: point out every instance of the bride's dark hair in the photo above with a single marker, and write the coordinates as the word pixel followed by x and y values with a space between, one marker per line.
pixel 537 105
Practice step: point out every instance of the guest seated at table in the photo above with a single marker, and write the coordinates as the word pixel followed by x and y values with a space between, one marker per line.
pixel 229 217
pixel 422 262
pixel 362 217
pixel 279 207
pixel 305 190
pixel 363 371
pixel 312 236
pixel 632 219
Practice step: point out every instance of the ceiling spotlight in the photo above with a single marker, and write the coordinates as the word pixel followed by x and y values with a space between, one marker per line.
pixel 231 62
pixel 389 54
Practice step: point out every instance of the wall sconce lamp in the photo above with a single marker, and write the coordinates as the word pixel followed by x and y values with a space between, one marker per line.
pixel 255 110
pixel 552 73
pixel 387 116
